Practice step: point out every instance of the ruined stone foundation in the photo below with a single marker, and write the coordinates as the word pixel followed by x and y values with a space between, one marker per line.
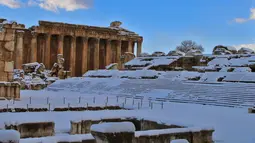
pixel 8 88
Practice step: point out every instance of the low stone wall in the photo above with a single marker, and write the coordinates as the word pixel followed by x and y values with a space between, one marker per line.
pixel 193 135
pixel 60 109
pixel 124 132
pixel 28 130
pixel 10 90
pixel 83 127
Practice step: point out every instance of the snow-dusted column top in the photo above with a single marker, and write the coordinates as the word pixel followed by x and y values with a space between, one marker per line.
pixel 119 127
pixel 7 136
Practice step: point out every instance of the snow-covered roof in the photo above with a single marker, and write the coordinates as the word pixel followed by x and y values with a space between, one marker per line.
pixel 244 50
pixel 176 53
pixel 193 52
pixel 238 62
pixel 249 46
pixel 242 69
pixel 120 74
pixel 231 48
pixel 152 61
pixel 221 62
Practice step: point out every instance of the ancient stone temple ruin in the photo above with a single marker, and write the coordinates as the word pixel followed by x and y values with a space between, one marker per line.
pixel 8 88
pixel 83 47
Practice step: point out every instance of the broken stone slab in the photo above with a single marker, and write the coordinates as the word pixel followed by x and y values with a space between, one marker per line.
pixel 29 67
pixel 122 132
pixel 30 130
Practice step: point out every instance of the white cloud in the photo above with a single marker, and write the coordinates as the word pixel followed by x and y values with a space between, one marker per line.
pixel 242 20
pixel 11 3
pixel 250 46
pixel 51 5
pixel 68 5
pixel 252 16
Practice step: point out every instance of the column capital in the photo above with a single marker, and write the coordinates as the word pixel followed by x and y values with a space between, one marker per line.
pixel 47 35
pixel 85 39
pixel 108 41
pixel 61 37
pixel 140 39
pixel 34 34
pixel 118 41
pixel 20 34
pixel 97 40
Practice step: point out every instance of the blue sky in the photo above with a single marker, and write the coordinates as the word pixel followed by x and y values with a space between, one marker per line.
pixel 162 23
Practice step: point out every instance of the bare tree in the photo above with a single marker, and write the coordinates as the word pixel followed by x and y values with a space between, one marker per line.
pixel 188 45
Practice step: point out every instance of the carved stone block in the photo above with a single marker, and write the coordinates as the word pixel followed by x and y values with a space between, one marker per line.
pixel 3 76
pixel 9 46
pixel 2 65
pixel 8 66
pixel 9 37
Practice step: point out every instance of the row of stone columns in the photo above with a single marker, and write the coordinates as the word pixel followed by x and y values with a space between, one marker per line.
pixel 60 50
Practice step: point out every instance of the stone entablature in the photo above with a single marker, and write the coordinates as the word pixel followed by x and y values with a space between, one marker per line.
pixel 112 33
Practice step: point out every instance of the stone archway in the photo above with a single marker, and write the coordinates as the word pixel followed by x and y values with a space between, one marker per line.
pixel 78 56
pixel 53 49
pixel 41 46
pixel 67 51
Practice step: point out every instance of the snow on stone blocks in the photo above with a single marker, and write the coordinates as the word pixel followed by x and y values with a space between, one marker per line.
pixel 9 136
pixel 37 129
pixel 122 132
pixel 83 127
pixel 194 135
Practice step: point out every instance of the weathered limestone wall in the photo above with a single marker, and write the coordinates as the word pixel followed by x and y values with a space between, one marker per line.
pixel 8 39
pixel 39 129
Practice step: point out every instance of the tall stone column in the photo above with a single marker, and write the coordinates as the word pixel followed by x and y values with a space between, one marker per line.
pixel 108 57
pixel 130 46
pixel 139 48
pixel 96 54
pixel 118 48
pixel 60 44
pixel 34 47
pixel 73 56
pixel 47 52
pixel 19 50
pixel 85 55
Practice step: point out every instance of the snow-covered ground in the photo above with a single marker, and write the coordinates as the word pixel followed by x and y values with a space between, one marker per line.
pixel 232 125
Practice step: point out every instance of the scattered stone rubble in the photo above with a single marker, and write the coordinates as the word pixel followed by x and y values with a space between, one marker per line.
pixel 34 76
